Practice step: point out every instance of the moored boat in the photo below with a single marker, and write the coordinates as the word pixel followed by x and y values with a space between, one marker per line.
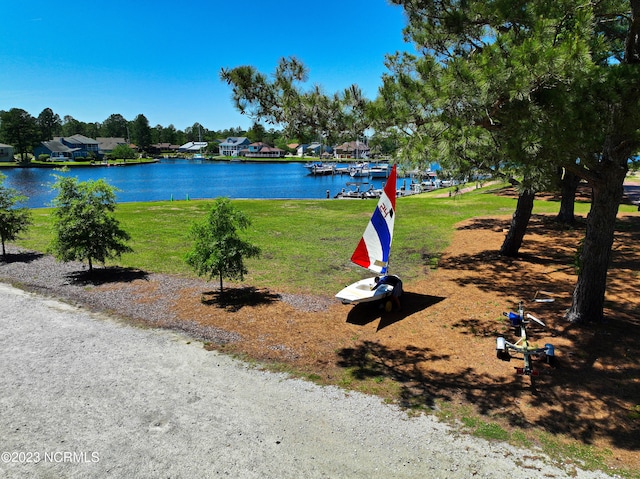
pixel 320 168
pixel 360 170
pixel 379 170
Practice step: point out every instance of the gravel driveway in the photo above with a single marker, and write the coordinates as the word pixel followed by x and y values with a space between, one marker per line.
pixel 84 395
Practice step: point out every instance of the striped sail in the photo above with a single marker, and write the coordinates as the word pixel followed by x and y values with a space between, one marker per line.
pixel 374 247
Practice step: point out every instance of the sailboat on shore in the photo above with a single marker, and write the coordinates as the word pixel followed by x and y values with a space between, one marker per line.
pixel 374 248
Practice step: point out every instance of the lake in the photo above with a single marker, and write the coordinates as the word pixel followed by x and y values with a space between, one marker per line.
pixel 180 179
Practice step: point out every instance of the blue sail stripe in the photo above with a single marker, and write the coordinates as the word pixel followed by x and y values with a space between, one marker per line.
pixel 384 235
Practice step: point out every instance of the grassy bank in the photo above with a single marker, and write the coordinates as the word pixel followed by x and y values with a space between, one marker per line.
pixel 306 244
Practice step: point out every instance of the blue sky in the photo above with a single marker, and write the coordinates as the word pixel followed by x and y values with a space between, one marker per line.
pixel 90 59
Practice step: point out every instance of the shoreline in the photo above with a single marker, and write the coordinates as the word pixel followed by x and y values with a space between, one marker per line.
pixel 76 164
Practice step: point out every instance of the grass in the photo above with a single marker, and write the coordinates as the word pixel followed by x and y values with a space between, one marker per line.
pixel 306 244
pixel 560 450
pixel 80 162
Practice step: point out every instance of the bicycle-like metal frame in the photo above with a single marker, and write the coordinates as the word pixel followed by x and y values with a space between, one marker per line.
pixel 519 321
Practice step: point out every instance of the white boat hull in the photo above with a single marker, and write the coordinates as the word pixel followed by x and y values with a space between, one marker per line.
pixel 362 292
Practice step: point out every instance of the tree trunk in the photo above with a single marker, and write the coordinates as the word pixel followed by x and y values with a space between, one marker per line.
pixel 588 296
pixel 519 223
pixel 569 186
pixel 608 188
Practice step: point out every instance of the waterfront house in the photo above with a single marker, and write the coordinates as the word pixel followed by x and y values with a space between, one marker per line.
pixel 68 148
pixel 106 145
pixel 301 149
pixel 352 149
pixel 163 148
pixel 56 150
pixel 6 152
pixel 84 146
pixel 262 150
pixel 319 150
pixel 233 145
pixel 314 149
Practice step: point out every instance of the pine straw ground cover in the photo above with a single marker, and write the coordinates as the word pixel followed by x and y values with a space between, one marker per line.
pixel 438 353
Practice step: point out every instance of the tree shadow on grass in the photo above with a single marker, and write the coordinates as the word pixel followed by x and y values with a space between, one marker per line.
pixel 111 274
pixel 234 299
pixel 583 194
pixel 365 313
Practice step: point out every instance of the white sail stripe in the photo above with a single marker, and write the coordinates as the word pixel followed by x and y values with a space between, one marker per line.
pixel 374 248
pixel 372 239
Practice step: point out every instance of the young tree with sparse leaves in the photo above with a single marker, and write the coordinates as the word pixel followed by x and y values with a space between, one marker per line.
pixel 14 219
pixel 84 225
pixel 218 248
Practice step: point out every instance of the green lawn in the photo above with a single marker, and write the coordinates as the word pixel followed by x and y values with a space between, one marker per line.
pixel 306 244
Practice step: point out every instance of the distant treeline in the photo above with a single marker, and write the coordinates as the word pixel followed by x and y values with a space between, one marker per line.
pixel 25 132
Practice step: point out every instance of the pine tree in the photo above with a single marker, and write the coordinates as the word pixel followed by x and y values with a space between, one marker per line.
pixel 218 249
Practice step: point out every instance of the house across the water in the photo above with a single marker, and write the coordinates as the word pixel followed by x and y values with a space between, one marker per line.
pixel 6 152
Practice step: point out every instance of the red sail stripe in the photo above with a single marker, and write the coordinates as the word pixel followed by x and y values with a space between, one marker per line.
pixel 361 255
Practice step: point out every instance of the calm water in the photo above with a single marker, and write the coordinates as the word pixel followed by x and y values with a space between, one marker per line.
pixel 179 179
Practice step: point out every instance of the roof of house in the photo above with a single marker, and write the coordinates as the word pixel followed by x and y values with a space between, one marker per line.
pixel 317 145
pixel 78 140
pixel 235 140
pixel 352 145
pixel 264 147
pixel 193 146
pixel 56 146
pixel 5 146
pixel 165 146
pixel 109 143
pixel 267 148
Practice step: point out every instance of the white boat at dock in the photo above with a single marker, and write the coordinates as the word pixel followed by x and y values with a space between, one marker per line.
pixel 360 170
pixel 379 170
pixel 321 168
pixel 357 193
